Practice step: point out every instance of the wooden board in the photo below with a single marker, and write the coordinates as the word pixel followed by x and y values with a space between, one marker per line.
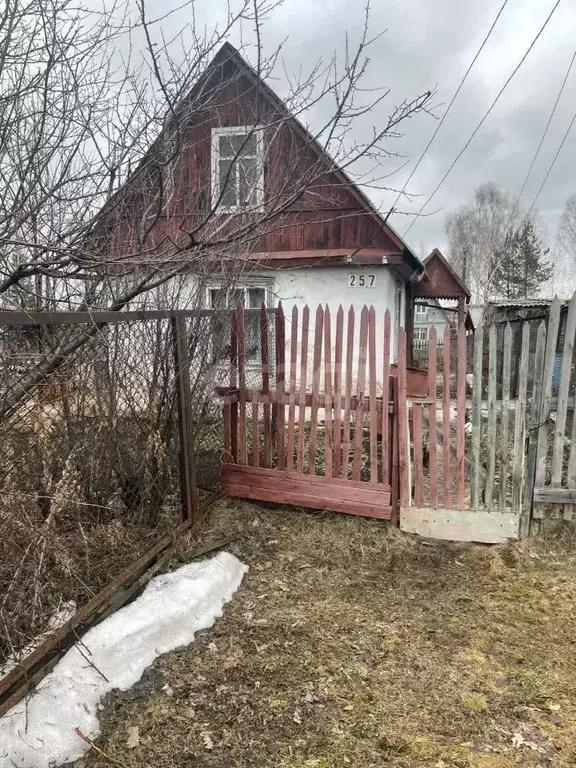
pixel 476 525
pixel 302 489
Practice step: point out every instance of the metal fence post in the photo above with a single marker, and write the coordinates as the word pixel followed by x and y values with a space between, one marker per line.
pixel 187 465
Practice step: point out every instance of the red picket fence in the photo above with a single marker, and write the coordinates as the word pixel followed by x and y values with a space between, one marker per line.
pixel 319 432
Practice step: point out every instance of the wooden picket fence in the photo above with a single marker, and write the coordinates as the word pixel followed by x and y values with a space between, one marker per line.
pixel 462 455
pixel 320 434
pixel 477 447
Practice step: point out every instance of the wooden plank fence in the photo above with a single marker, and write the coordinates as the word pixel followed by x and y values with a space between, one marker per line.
pixel 478 446
pixel 332 452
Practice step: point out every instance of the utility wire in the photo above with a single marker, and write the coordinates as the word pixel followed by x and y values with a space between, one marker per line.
pixel 449 107
pixel 475 131
pixel 539 147
pixel 549 171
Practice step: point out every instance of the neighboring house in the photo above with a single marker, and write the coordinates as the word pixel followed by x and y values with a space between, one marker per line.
pixel 330 246
pixel 428 313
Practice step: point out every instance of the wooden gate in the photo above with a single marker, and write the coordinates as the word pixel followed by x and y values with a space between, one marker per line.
pixel 308 410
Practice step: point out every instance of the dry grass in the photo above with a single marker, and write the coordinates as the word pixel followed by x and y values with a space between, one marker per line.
pixel 350 644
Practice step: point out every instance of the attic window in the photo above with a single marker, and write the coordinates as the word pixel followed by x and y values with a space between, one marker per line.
pixel 237 168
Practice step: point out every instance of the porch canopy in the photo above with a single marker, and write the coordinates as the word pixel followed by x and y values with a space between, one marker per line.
pixel 440 281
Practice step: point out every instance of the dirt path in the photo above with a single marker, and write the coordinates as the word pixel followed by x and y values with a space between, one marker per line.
pixel 350 644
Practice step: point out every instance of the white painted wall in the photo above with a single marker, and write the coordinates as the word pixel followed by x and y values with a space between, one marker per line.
pixel 332 286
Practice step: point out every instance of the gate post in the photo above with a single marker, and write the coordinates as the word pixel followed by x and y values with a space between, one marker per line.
pixel 183 399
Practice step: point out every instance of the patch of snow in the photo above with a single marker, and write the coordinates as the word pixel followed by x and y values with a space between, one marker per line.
pixel 40 732
pixel 60 617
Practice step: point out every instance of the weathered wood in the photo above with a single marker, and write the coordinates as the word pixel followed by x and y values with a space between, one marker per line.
pixel 432 425
pixel 233 384
pixel 265 352
pixel 386 399
pixel 476 525
pixel 402 420
pixel 505 415
pixel 255 431
pixel 314 491
pixel 187 465
pixel 530 472
pixel 446 420
pixel 491 429
pixel 243 452
pixel 337 459
pixel 546 390
pixel 561 413
pixel 303 373
pixel 348 393
pixel 460 415
pixel 233 394
pixel 418 454
pixel 520 419
pixel 476 417
pixel 552 495
pixel 372 394
pixel 361 383
pixel 318 338
pixel 328 441
pixel 292 390
pixel 280 328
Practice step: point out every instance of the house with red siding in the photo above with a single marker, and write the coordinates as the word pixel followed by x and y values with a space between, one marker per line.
pixel 237 178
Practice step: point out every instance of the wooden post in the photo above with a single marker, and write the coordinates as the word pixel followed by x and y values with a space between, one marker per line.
pixel 522 366
pixel 348 392
pixel 546 391
pixel 280 333
pixel 241 385
pixel 460 416
pixel 328 438
pixel 359 415
pixel 491 433
pixel 302 403
pixel 292 392
pixel 233 385
pixel 402 422
pixel 337 458
pixel 476 417
pixel 505 416
pixel 432 425
pixel 372 395
pixel 317 361
pixel 266 386
pixel 446 419
pixel 386 453
pixel 563 392
pixel 529 477
pixel 182 371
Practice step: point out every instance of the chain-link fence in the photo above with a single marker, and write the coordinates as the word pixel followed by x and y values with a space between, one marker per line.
pixel 91 462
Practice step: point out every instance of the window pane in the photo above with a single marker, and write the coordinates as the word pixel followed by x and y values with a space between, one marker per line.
pixel 247 179
pixel 256 297
pixel 217 298
pixel 227 183
pixel 238 145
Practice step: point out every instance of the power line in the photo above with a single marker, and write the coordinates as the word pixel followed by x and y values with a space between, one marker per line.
pixel 448 108
pixel 549 171
pixel 539 147
pixel 475 131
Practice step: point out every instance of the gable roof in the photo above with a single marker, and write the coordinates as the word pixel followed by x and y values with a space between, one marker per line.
pixel 227 55
pixel 440 280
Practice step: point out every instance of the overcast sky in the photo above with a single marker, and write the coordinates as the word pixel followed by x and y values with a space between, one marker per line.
pixel 429 45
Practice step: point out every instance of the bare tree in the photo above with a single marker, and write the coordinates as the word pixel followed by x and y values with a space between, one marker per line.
pixel 567 229
pixel 98 200
pixel 477 234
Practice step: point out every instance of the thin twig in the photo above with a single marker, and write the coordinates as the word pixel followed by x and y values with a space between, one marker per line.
pixel 100 751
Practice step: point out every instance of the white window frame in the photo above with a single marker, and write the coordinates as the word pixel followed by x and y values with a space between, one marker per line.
pixel 420 311
pixel 267 284
pixel 236 130
pixel 421 333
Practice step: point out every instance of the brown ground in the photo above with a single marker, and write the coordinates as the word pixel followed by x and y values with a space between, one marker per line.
pixel 350 644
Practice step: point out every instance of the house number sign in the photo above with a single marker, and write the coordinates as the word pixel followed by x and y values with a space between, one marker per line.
pixel 361 281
